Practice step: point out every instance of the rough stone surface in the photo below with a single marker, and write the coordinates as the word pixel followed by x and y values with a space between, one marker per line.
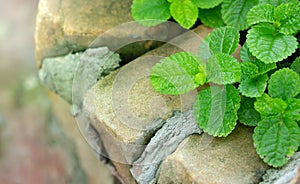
pixel 204 159
pixel 96 171
pixel 72 75
pixel 64 26
pixel 296 179
pixel 162 144
pixel 285 174
pixel 125 109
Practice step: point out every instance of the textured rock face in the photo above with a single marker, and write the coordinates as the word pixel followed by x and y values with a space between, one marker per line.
pixel 162 144
pixel 126 111
pixel 67 25
pixel 96 172
pixel 124 137
pixel 64 26
pixel 290 173
pixel 72 75
pixel 203 159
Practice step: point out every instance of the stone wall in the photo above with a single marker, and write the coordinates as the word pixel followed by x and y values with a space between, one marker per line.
pixel 83 49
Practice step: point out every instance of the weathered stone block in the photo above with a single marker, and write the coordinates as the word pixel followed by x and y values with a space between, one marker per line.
pixel 202 159
pixel 72 75
pixel 125 109
pixel 64 26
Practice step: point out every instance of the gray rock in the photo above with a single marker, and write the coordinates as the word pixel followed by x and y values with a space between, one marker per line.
pixel 164 143
pixel 72 75
pixel 285 174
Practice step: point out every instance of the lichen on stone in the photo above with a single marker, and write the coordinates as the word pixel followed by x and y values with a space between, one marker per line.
pixel 72 75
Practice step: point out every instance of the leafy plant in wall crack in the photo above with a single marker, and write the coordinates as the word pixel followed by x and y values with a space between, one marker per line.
pixel 213 13
pixel 263 90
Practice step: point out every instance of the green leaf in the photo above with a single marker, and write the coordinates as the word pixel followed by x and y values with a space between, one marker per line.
pixel 276 2
pixel 223 69
pixel 150 13
pixel 284 83
pixel 211 17
pixel 275 139
pixel 177 74
pixel 249 69
pixel 206 4
pixel 224 39
pixel 247 114
pixel 204 51
pixel 261 13
pixel 263 68
pixel 288 17
pixel 253 87
pixel 269 46
pixel 268 106
pixel 184 12
pixel 296 65
pixel 293 109
pixel 216 108
pixel 234 12
pixel 245 54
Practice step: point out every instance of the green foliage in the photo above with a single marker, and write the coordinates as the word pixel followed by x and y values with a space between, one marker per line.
pixel 206 4
pixel 184 12
pixel 251 66
pixel 253 87
pixel 261 13
pixel 284 83
pixel 268 106
pixel 276 138
pixel 216 13
pixel 276 2
pixel 296 65
pixel 211 17
pixel 216 108
pixel 177 74
pixel 293 109
pixel 234 12
pixel 270 96
pixel 149 13
pixel 287 17
pixel 223 69
pixel 268 45
pixel 224 39
pixel 247 115
pixel 271 40
pixel 277 135
pixel 254 78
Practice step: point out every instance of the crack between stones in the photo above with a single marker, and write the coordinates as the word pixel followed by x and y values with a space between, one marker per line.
pixel 146 168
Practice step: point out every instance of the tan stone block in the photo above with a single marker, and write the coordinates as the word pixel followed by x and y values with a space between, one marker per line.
pixel 64 26
pixel 125 109
pixel 202 159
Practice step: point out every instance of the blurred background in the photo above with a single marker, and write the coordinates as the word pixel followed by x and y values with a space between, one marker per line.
pixel 25 155
pixel 33 149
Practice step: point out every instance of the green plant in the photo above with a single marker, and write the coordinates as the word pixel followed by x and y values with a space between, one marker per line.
pixel 256 92
pixel 186 12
